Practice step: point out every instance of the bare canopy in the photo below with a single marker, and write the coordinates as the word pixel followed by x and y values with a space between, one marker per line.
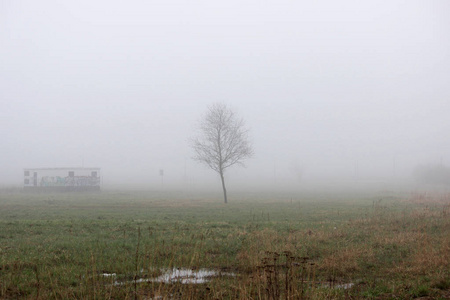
pixel 222 141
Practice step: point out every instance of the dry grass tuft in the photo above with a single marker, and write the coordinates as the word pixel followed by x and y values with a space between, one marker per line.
pixel 345 261
pixel 430 257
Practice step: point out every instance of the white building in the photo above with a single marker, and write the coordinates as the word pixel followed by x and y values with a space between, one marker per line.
pixel 62 179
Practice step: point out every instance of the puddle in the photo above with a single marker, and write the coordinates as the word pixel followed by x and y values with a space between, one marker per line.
pixel 175 275
pixel 344 286
pixel 189 276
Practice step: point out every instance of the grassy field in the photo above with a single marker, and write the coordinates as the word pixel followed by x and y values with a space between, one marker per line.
pixel 318 245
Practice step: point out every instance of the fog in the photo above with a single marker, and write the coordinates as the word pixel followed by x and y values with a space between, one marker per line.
pixel 332 91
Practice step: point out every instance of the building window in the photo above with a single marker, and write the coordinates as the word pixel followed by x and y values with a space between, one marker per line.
pixel 26 181
pixel 71 173
pixel 93 174
pixel 27 173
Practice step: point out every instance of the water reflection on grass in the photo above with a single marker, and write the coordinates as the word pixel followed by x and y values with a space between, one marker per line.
pixel 176 275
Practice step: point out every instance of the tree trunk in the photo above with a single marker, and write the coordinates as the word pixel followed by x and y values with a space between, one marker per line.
pixel 224 189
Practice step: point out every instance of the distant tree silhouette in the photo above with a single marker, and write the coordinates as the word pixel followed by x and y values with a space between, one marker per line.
pixel 222 141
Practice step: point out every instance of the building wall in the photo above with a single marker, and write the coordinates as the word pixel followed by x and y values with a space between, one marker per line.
pixel 62 179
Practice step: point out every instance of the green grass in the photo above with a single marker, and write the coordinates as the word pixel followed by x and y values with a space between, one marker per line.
pixel 389 245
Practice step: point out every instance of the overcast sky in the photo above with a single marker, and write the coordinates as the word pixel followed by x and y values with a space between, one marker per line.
pixel 328 88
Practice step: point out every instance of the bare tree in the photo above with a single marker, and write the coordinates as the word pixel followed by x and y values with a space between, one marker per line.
pixel 222 141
